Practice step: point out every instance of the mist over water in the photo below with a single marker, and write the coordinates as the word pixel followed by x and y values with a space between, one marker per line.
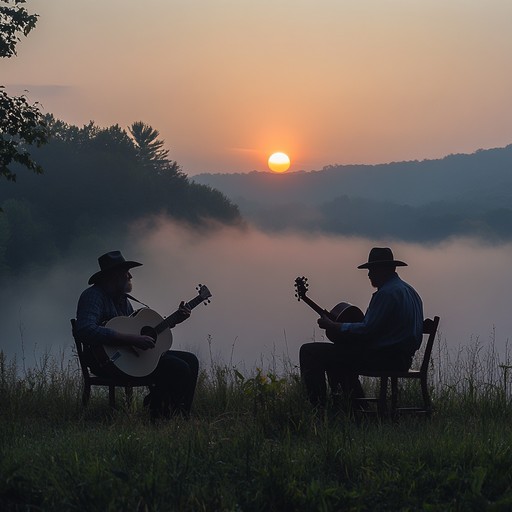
pixel 254 318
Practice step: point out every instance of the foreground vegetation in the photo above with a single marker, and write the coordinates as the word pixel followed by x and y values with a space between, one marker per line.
pixel 253 444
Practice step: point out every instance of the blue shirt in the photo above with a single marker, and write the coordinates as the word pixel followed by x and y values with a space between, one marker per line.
pixel 394 318
pixel 95 307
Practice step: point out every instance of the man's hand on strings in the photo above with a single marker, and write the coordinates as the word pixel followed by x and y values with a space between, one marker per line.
pixel 142 342
pixel 324 322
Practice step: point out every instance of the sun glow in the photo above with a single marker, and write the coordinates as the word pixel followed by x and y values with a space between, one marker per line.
pixel 278 162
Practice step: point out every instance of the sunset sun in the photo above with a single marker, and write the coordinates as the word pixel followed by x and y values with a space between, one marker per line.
pixel 278 162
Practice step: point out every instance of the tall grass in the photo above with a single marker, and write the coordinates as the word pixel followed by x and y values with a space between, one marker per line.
pixel 254 443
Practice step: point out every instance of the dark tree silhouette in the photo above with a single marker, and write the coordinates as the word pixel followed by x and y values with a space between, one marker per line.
pixel 13 21
pixel 21 124
pixel 96 186
pixel 150 150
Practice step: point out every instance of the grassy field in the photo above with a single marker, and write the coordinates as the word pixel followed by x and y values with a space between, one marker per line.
pixel 254 444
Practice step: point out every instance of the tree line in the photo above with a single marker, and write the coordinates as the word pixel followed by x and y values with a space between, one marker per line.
pixel 96 182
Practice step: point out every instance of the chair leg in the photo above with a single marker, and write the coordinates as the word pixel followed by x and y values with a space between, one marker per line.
pixel 112 396
pixel 86 394
pixel 129 394
pixel 381 404
pixel 427 403
pixel 394 396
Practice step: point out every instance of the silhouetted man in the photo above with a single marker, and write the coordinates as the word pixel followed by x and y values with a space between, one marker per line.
pixel 386 339
pixel 175 376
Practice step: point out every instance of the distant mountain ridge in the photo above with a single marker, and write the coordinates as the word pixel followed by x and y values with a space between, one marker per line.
pixel 410 182
pixel 468 194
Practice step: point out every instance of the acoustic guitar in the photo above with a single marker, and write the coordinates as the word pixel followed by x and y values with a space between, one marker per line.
pixel 140 363
pixel 342 312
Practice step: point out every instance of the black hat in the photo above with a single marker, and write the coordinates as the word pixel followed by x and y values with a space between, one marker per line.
pixel 382 256
pixel 110 261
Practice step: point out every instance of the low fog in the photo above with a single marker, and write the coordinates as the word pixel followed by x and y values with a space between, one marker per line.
pixel 254 318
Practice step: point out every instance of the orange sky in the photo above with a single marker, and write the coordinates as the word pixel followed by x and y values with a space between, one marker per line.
pixel 227 82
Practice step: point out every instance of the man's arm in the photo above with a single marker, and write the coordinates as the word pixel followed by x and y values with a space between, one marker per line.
pixel 140 341
pixel 89 328
pixel 376 318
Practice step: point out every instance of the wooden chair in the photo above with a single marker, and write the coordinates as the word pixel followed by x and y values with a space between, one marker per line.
pixel 112 382
pixel 430 329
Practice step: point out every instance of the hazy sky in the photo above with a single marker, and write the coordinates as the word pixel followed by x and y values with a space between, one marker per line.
pixel 227 82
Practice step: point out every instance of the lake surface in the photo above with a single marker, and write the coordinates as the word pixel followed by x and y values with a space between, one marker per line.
pixel 254 318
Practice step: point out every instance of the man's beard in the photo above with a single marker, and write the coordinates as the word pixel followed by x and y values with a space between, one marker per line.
pixel 127 287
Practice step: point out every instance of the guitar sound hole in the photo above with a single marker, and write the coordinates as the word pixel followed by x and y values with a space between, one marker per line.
pixel 149 331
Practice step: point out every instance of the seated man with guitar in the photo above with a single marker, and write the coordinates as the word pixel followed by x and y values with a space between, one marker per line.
pixel 121 342
pixel 385 338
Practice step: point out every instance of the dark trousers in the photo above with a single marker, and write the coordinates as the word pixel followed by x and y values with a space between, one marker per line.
pixel 174 382
pixel 341 362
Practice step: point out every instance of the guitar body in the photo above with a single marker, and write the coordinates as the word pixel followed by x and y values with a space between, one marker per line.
pixel 133 361
pixel 343 312
pixel 346 312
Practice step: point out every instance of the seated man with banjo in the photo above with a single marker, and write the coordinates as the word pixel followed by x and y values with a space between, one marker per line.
pixel 119 341
pixel 385 338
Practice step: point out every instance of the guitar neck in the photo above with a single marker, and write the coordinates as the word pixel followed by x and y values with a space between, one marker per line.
pixel 313 305
pixel 171 320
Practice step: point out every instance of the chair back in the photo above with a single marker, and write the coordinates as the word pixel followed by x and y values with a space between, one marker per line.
pixel 80 352
pixel 430 328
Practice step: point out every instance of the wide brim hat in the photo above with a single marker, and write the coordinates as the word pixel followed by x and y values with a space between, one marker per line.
pixel 109 262
pixel 382 257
